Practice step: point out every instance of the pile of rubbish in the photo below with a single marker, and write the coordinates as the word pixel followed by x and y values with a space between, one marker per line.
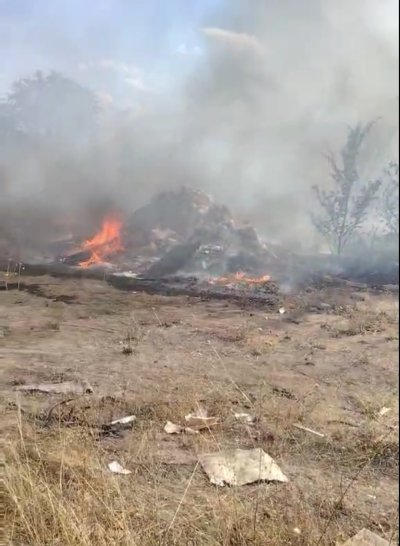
pixel 185 233
pixel 193 234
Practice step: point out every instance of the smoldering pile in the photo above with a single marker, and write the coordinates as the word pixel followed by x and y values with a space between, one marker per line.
pixel 182 242
pixel 184 232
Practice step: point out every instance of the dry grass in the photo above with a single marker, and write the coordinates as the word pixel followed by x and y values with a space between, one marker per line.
pixel 59 492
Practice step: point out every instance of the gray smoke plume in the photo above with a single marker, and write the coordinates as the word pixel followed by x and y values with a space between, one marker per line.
pixel 271 87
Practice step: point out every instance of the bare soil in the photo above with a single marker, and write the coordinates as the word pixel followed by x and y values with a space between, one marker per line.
pixel 329 363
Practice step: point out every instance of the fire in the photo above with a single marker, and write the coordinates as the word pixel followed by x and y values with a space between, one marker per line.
pixel 105 243
pixel 241 278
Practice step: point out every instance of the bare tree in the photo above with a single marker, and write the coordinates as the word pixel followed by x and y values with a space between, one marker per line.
pixel 345 206
pixel 390 199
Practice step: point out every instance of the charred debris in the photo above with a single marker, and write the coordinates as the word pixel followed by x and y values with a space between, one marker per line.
pixel 182 243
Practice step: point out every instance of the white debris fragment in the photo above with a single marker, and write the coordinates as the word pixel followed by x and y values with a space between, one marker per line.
pixel 124 420
pixel 245 418
pixel 239 467
pixel 188 430
pixel 201 413
pixel 366 538
pixel 116 468
pixel 128 274
pixel 171 428
pixel 282 310
pixel 200 420
pixel 383 411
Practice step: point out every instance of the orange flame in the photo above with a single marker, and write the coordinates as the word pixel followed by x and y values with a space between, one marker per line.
pixel 105 243
pixel 241 277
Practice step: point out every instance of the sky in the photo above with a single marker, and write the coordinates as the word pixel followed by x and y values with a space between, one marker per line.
pixel 117 46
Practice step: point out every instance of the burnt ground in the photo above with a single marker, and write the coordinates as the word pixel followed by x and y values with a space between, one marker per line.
pixel 329 363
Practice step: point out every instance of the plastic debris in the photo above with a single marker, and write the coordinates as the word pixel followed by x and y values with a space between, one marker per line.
pixel 116 468
pixel 124 420
pixel 383 411
pixel 239 467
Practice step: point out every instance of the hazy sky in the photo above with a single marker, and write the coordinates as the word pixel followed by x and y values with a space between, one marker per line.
pixel 117 46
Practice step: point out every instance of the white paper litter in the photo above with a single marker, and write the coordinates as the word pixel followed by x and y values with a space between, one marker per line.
pixel 366 538
pixel 245 418
pixel 383 411
pixel 116 468
pixel 124 420
pixel 240 466
pixel 200 420
pixel 171 428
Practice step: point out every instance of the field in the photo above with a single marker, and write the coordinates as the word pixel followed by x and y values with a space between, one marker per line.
pixel 329 363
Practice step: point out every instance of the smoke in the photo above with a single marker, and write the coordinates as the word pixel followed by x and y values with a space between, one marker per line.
pixel 267 90
pixel 304 71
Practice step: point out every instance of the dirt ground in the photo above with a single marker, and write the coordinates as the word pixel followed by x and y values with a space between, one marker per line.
pixel 329 363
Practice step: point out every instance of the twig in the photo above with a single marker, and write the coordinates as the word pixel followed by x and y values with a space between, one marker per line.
pixel 182 499
pixel 310 430
pixel 341 422
pixel 66 401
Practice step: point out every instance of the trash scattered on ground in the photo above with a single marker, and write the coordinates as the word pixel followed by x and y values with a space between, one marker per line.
pixel 116 468
pixel 383 411
pixel 366 538
pixel 66 387
pixel 129 419
pixel 171 428
pixel 282 310
pixel 119 425
pixel 200 420
pixel 240 467
pixel 310 430
pixel 246 418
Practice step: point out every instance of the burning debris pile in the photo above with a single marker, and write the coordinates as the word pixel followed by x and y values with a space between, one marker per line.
pixel 184 243
pixel 179 231
pixel 181 243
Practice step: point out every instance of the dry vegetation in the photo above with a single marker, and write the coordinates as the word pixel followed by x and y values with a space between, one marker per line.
pixel 332 370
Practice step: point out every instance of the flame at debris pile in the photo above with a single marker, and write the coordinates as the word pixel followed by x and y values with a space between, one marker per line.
pixel 105 243
pixel 240 278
